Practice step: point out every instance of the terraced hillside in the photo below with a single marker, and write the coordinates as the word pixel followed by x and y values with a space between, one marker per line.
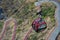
pixel 22 11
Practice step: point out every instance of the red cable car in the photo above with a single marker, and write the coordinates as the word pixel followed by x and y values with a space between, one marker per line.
pixel 39 24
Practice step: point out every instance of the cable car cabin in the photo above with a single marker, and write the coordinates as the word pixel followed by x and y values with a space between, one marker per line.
pixel 39 24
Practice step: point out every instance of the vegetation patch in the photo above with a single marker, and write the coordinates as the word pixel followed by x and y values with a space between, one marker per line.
pixel 48 9
pixel 48 12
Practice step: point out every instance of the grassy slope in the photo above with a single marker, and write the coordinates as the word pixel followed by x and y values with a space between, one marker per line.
pixel 48 15
pixel 25 16
pixel 48 11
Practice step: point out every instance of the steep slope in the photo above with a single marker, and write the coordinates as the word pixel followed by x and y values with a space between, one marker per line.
pixel 24 14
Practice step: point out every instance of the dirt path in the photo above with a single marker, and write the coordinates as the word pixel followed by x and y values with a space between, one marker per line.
pixel 5 26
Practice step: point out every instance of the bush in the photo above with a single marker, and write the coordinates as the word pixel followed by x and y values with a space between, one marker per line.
pixel 48 9
pixel 1 24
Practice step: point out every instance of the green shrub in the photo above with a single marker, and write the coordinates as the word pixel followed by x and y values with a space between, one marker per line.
pixel 1 24
pixel 48 9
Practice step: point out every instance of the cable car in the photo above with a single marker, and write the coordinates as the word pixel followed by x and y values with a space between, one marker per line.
pixel 39 24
